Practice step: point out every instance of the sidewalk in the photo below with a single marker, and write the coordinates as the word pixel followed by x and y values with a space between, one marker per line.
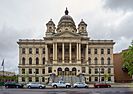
pixel 128 85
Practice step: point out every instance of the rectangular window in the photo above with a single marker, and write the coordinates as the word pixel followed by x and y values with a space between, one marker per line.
pixel 108 51
pixel 89 79
pixel 43 61
pixel 37 51
pixel 37 79
pixel 30 71
pixel 89 70
pixel 23 71
pixel 96 78
pixel 96 71
pixel 109 70
pixel 109 78
pixel 23 79
pixel 102 79
pixel 102 51
pixel 43 71
pixel 43 50
pixel 83 69
pixel 49 69
pixel 89 51
pixel 37 71
pixel 43 79
pixel 30 79
pixel 23 50
pixel 30 50
pixel 95 51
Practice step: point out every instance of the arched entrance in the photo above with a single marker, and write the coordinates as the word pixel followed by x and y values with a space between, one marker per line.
pixel 74 71
pixel 59 70
pixel 67 71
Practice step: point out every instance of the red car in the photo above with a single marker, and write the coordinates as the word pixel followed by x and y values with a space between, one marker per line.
pixel 102 85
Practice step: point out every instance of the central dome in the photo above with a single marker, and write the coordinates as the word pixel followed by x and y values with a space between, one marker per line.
pixel 66 19
pixel 66 23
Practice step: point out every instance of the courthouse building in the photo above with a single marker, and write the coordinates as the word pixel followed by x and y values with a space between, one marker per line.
pixel 65 53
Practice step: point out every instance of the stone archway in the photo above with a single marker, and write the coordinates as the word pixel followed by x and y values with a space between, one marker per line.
pixel 74 71
pixel 67 71
pixel 59 71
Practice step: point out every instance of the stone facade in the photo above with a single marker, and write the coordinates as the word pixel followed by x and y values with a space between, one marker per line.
pixel 65 52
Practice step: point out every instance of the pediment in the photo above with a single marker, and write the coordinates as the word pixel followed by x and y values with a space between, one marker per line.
pixel 66 34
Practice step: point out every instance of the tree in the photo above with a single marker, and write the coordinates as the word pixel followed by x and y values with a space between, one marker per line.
pixel 128 59
pixel 106 76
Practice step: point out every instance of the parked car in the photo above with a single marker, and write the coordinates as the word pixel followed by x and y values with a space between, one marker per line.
pixel 102 85
pixel 61 84
pixel 80 85
pixel 13 85
pixel 35 85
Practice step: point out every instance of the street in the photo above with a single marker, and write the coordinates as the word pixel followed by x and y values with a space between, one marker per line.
pixel 69 91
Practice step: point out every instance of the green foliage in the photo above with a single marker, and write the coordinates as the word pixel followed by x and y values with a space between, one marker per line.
pixel 128 59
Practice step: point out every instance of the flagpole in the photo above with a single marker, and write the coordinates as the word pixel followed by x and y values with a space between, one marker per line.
pixel 3 69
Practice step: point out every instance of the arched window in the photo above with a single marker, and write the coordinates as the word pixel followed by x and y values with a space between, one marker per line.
pixel 95 60
pixel 102 61
pixel 30 61
pixel 108 61
pixel 23 61
pixel 89 60
pixel 66 69
pixel 37 61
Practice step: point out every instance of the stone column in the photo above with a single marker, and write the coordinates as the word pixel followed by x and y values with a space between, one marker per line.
pixel 70 58
pixel 77 51
pixel 86 54
pixel 56 52
pixel 46 53
pixel 63 52
pixel 53 52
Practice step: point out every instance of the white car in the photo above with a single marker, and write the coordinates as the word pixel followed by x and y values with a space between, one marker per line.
pixel 61 84
pixel 35 85
pixel 80 85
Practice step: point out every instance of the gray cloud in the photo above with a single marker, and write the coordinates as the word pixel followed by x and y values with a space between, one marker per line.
pixel 8 45
pixel 125 5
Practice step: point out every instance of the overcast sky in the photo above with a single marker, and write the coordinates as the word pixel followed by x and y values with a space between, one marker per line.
pixel 20 19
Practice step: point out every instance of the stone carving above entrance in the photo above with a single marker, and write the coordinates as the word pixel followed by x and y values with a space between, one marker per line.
pixel 67 34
